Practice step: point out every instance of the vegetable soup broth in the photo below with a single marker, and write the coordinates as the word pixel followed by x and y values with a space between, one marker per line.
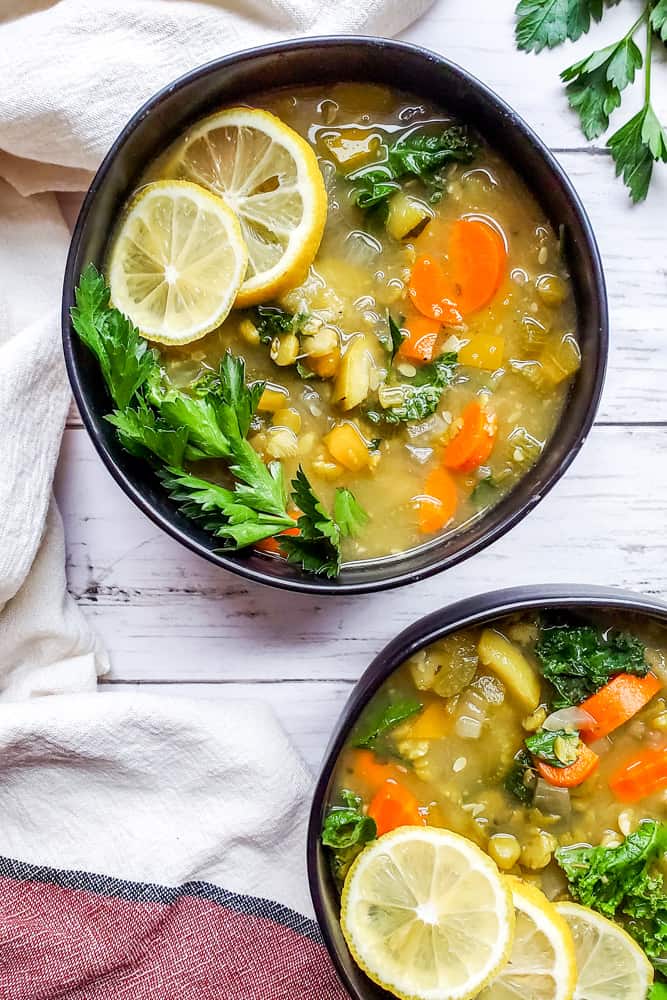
pixel 360 273
pixel 456 756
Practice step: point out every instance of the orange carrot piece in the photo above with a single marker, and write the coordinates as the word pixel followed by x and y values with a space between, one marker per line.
pixel 575 774
pixel 477 263
pixel 617 702
pixel 437 505
pixel 473 443
pixel 643 774
pixel 368 769
pixel 422 336
pixel 272 544
pixel 431 292
pixel 392 806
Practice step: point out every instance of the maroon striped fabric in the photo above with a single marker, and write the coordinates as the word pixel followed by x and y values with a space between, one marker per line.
pixel 78 936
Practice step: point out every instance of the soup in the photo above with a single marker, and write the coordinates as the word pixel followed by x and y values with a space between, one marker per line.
pixel 416 346
pixel 537 738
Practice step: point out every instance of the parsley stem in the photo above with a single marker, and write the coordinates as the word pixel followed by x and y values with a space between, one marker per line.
pixel 640 20
pixel 649 56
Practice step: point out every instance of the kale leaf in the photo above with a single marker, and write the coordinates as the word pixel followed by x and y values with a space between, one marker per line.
pixel 554 747
pixel 422 393
pixel 521 778
pixel 624 883
pixel 579 659
pixel 418 154
pixel 384 716
pixel 272 321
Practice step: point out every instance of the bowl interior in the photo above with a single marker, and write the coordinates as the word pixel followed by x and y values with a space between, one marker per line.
pixel 407 67
pixel 474 611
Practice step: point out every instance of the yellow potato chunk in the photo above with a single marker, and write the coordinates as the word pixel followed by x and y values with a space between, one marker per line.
pixel 353 382
pixel 432 724
pixel 509 664
pixel 272 400
pixel 348 447
pixel 484 350
pixel 352 147
pixel 406 215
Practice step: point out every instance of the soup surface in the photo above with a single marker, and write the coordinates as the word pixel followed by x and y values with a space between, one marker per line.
pixel 428 421
pixel 536 738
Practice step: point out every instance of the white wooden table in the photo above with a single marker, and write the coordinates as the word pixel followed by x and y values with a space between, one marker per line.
pixel 174 623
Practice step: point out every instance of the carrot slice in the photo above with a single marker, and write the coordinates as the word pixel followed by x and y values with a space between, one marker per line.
pixel 422 336
pixel 478 260
pixel 617 702
pixel 641 775
pixel 431 292
pixel 392 806
pixel 570 777
pixel 272 544
pixel 437 505
pixel 368 769
pixel 473 443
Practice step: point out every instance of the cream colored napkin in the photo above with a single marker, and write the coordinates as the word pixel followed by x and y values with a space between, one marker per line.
pixel 72 73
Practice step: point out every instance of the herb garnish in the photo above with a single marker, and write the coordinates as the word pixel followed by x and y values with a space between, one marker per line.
pixel 155 421
pixel 521 778
pixel 415 155
pixel 346 830
pixel 272 321
pixel 624 883
pixel 595 84
pixel 422 393
pixel 579 659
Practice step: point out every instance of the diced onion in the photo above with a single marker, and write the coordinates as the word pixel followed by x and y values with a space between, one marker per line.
pixel 551 800
pixel 468 728
pixel 574 718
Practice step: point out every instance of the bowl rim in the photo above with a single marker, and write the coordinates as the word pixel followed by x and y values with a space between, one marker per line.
pixel 479 609
pixel 395 576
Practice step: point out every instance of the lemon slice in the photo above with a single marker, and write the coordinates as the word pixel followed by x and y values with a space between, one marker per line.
pixel 177 262
pixel 542 964
pixel 426 914
pixel 611 965
pixel 270 177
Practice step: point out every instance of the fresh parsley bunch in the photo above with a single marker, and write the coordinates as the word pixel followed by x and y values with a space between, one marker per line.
pixel 595 84
pixel 173 429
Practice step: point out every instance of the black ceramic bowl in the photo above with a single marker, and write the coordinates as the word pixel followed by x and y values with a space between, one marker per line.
pixel 323 60
pixel 479 610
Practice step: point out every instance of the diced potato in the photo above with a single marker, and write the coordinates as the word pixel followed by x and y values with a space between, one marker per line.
pixel 561 360
pixel 407 215
pixel 285 349
pixel 484 350
pixel 325 366
pixel 353 382
pixel 273 399
pixel 324 341
pixel 432 724
pixel 288 417
pixel 348 447
pixel 351 148
pixel 281 442
pixel 511 666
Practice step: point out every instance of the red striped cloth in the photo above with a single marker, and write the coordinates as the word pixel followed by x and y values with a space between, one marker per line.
pixel 79 936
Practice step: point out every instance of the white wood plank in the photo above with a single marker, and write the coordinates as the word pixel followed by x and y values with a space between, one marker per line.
pixel 308 710
pixel 167 614
pixel 480 37
pixel 633 245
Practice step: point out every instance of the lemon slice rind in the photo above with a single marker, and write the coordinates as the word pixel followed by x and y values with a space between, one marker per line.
pixel 270 177
pixel 177 262
pixel 426 915
pixel 542 963
pixel 611 965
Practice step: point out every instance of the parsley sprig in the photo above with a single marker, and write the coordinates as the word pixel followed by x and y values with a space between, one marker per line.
pixel 170 428
pixel 595 84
